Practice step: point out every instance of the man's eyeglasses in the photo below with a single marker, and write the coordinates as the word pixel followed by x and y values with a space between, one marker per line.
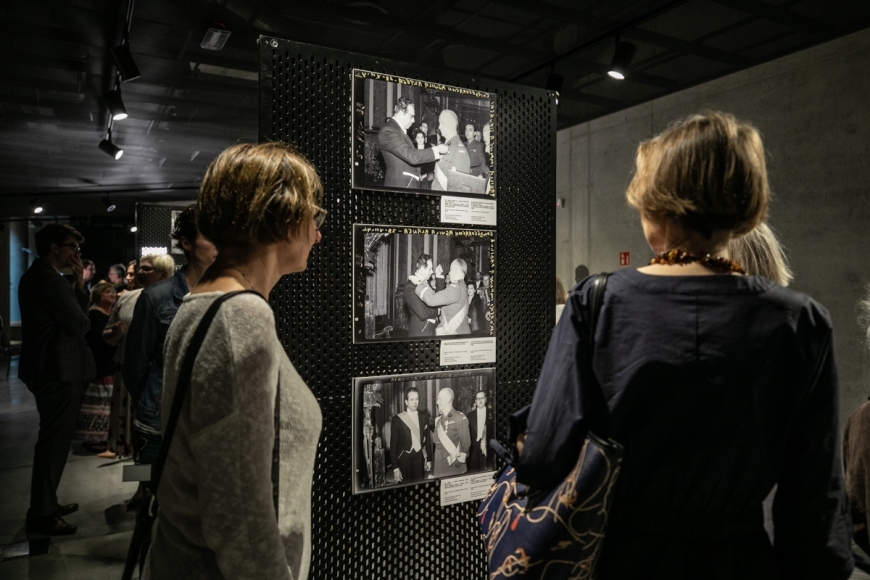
pixel 76 247
pixel 319 217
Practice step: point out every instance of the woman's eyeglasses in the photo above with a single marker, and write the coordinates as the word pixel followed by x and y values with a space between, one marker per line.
pixel 145 269
pixel 319 217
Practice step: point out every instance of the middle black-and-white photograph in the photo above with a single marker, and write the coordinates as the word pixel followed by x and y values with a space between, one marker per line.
pixel 422 283
pixel 413 428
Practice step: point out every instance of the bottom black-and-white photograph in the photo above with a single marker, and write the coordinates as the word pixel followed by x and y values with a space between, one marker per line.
pixel 413 428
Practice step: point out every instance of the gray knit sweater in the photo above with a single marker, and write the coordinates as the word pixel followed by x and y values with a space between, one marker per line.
pixel 217 514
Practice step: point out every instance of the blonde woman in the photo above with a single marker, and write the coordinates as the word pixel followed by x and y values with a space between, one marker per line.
pixel 259 205
pixel 720 385
pixel 760 253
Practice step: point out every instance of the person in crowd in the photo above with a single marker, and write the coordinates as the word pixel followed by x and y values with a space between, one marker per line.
pixel 487 147
pixel 117 275
pixel 476 315
pixel 152 268
pixel 478 453
pixel 259 204
pixel 452 297
pixel 153 313
pixel 856 450
pixel 427 170
pixel 760 253
pixel 54 364
pixel 720 385
pixel 92 428
pixel 477 136
pixel 422 319
pixel 410 443
pixel 475 149
pixel 131 280
pixel 455 156
pixel 561 298
pixel 451 437
pixel 88 275
pixel 402 158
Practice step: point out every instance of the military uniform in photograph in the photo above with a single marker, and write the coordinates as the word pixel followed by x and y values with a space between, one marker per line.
pixel 453 428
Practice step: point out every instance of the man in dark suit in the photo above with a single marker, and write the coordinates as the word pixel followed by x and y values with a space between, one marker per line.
pixel 410 445
pixel 55 364
pixel 479 451
pixel 422 319
pixel 476 155
pixel 403 159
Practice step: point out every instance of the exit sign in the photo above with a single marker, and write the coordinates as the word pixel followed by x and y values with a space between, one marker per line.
pixel 625 258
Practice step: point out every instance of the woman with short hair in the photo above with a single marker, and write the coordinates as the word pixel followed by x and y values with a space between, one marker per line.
pixel 720 385
pixel 260 206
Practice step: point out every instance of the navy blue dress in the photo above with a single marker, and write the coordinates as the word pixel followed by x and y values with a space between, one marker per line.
pixel 719 387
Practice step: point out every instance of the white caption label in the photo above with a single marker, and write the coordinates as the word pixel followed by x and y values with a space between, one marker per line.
pixel 468 488
pixel 466 210
pixel 468 351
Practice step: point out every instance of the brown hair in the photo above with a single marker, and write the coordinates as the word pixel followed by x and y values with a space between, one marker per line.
pixel 99 288
pixel 561 293
pixel 255 194
pixel 706 171
pixel 760 253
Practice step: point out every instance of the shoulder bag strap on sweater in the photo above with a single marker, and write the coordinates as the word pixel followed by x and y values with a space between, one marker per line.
pixel 183 385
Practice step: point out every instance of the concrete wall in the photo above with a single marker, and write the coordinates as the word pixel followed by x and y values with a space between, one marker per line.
pixel 813 110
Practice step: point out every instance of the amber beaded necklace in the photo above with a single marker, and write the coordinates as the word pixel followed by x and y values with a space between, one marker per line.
pixel 682 258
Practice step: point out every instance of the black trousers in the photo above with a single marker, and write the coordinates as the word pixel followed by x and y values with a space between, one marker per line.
pixel 58 405
pixel 412 465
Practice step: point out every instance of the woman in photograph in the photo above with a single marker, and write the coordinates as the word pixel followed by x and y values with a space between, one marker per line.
pixel 475 309
pixel 92 428
pixel 720 385
pixel 427 170
pixel 260 206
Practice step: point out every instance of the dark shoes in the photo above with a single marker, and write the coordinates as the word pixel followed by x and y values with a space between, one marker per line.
pixel 49 526
pixel 65 510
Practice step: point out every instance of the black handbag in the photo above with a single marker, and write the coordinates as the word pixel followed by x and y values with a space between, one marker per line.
pixel 556 534
pixel 141 540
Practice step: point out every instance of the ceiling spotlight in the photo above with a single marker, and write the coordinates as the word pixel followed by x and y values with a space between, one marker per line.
pixel 116 104
pixel 554 83
pixel 108 203
pixel 35 205
pixel 125 63
pixel 110 148
pixel 621 60
pixel 215 38
pixel 134 229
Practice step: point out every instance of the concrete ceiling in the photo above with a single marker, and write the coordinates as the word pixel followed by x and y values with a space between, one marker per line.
pixel 191 103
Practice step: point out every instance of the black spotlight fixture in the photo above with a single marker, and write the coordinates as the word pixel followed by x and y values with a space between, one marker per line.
pixel 554 83
pixel 35 206
pixel 108 203
pixel 116 104
pixel 621 59
pixel 109 147
pixel 124 61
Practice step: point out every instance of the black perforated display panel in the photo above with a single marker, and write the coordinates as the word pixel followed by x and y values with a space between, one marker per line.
pixel 305 100
pixel 154 226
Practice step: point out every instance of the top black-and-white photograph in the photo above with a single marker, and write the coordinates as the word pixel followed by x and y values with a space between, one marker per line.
pixel 421 137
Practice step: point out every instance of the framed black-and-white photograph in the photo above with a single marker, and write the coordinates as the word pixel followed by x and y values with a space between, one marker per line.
pixel 414 283
pixel 413 428
pixel 421 137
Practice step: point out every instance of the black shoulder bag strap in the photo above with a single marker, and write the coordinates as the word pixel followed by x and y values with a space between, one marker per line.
pixel 598 419
pixel 141 539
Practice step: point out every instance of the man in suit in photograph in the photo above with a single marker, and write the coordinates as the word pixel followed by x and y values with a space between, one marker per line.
pixel 422 319
pixel 410 445
pixel 452 298
pixel 55 364
pixel 403 159
pixel 475 153
pixel 479 452
pixel 451 437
